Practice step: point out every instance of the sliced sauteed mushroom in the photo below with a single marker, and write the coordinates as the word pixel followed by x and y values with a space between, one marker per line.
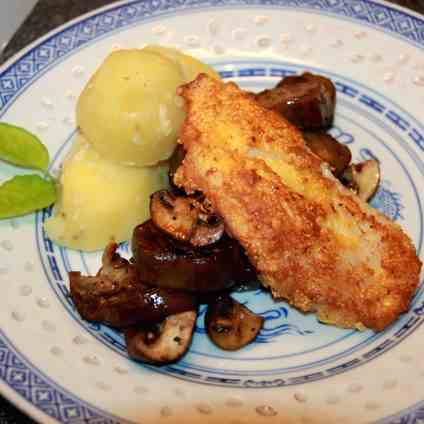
pixel 307 101
pixel 162 343
pixel 116 297
pixel 230 325
pixel 164 262
pixel 173 214
pixel 186 218
pixel 363 178
pixel 336 154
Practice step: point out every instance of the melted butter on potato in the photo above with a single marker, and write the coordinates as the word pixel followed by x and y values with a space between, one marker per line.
pixel 128 111
pixel 100 200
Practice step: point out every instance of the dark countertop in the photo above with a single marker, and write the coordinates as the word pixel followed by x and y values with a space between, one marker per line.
pixel 47 15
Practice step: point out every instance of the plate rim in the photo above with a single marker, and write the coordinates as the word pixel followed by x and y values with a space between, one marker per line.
pixel 119 3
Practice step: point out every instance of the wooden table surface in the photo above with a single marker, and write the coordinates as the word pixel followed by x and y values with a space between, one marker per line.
pixel 47 15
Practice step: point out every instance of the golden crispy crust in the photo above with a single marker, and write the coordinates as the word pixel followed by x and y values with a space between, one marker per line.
pixel 313 242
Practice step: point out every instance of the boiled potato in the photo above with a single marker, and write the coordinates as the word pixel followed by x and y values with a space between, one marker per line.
pixel 100 200
pixel 129 110
pixel 190 66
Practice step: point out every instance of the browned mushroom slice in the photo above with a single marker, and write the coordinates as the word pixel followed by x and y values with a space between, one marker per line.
pixel 230 325
pixel 336 154
pixel 363 178
pixel 163 343
pixel 173 214
pixel 186 218
pixel 116 297
pixel 163 262
pixel 307 101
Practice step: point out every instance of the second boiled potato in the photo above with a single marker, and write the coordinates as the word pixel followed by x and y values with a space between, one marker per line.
pixel 129 110
pixel 99 200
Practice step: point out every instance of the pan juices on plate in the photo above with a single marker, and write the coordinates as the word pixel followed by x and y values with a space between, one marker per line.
pixel 313 242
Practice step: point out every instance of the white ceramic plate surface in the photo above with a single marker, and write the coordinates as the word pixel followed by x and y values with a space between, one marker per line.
pixel 57 367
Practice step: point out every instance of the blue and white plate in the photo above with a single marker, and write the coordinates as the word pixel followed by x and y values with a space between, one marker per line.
pixel 59 368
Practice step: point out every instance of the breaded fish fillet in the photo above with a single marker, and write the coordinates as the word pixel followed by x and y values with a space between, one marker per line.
pixel 312 241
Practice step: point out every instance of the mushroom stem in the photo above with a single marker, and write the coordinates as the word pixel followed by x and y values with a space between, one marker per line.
pixel 363 178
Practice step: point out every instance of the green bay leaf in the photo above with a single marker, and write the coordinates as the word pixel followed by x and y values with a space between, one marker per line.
pixel 21 148
pixel 24 194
